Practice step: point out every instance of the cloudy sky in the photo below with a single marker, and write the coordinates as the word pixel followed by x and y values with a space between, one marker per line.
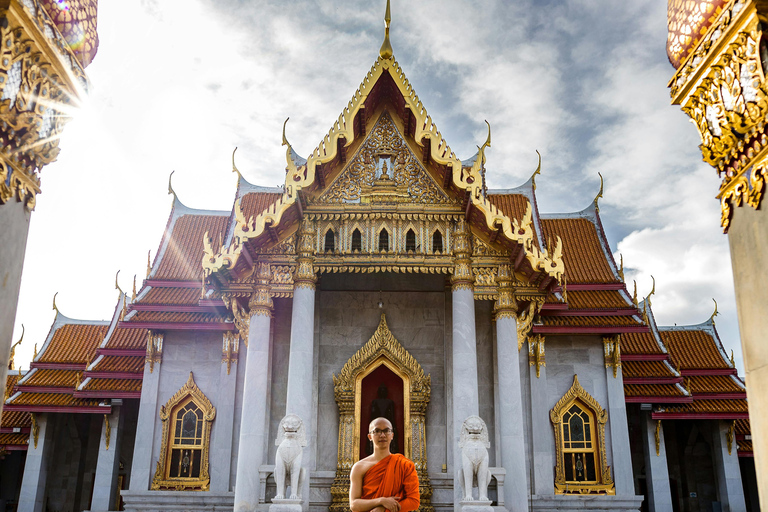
pixel 176 85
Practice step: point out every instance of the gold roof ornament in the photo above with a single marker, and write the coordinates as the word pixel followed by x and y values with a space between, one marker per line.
pixel 537 171
pixel 234 167
pixel 149 265
pixel 13 349
pixel 170 187
pixel 621 267
pixel 117 286
pixel 133 292
pixel 386 47
pixel 714 313
pixel 599 194
pixel 653 290
pixel 56 309
pixel 634 295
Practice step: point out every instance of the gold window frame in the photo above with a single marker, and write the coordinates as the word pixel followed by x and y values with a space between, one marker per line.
pixel 604 484
pixel 161 481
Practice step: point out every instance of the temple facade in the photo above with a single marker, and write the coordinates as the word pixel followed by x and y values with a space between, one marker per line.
pixel 382 278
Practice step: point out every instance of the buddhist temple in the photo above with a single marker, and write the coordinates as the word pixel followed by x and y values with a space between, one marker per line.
pixel 383 278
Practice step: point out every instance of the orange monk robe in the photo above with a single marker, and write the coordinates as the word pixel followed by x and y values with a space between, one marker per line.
pixel 393 476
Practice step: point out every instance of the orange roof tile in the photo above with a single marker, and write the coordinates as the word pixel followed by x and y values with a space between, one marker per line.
pixel 633 369
pixel 745 446
pixel 128 339
pixel 11 379
pixel 14 439
pixel 184 250
pixel 73 343
pixel 597 299
pixel 187 296
pixel 692 349
pixel 705 406
pixel 589 320
pixel 639 343
pixel 52 399
pixel 113 385
pixel 254 203
pixel 172 316
pixel 743 427
pixel 53 378
pixel 713 384
pixel 16 419
pixel 652 390
pixel 133 364
pixel 583 256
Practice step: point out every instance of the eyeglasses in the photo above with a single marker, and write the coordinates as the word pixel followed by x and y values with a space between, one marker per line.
pixel 378 432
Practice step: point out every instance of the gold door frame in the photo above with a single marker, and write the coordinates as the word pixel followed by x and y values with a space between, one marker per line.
pixel 381 348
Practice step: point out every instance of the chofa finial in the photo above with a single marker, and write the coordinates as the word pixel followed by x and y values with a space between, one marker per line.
pixel 117 285
pixel 56 309
pixel 386 48
pixel 234 167
pixel 170 186
pixel 600 193
pixel 714 313
pixel 537 171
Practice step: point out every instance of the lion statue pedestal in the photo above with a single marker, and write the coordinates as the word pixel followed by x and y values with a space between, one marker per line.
pixel 474 446
pixel 290 442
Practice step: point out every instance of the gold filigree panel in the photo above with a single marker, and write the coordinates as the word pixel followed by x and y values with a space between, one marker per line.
pixel 384 153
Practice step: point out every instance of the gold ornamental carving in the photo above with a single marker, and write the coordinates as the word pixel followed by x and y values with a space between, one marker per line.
pixel 260 302
pixel 161 481
pixel 730 435
pixel 657 437
pixel 467 180
pixel 384 156
pixel 381 349
pixel 536 355
pixel 107 431
pixel 35 428
pixel 525 324
pixel 40 79
pixel 230 349
pixel 612 352
pixel 604 484
pixel 154 349
pixel 462 278
pixel 305 276
pixel 506 304
pixel 240 317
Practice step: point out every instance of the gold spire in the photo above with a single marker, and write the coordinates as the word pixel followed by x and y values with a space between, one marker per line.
pixel 234 167
pixel 600 193
pixel 54 304
pixel 149 265
pixel 621 268
pixel 715 313
pixel 386 48
pixel 117 286
pixel 13 349
pixel 537 171
pixel 133 293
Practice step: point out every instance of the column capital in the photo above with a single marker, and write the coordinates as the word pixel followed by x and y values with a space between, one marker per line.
pixel 260 302
pixel 506 304
pixel 462 277
pixel 305 276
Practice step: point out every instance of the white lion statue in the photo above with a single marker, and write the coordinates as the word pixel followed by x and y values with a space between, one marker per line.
pixel 290 442
pixel 474 446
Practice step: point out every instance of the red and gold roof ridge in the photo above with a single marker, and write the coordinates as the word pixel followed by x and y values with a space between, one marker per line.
pixel 302 176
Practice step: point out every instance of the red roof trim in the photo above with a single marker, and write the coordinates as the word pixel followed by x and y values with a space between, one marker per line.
pixel 557 306
pixel 720 396
pixel 653 380
pixel 644 357
pixel 591 312
pixel 107 394
pixel 44 389
pixel 162 283
pixel 658 399
pixel 179 326
pixel 121 352
pixel 57 366
pixel 746 454
pixel 114 375
pixel 10 430
pixel 587 329
pixel 709 371
pixel 700 415
pixel 96 409
pixel 581 287
pixel 173 308
pixel 23 447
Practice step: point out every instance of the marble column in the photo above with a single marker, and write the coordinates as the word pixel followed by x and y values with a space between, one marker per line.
pixel 621 466
pixel 142 468
pixel 255 418
pixel 301 359
pixel 14 222
pixel 107 465
pixel 730 492
pixel 542 438
pixel 32 495
pixel 465 400
pixel 510 410
pixel 223 427
pixel 656 471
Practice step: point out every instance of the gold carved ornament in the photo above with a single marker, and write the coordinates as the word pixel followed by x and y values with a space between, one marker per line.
pixel 381 349
pixel 730 435
pixel 35 428
pixel 107 431
pixel 657 437
pixel 506 304
pixel 525 321
pixel 260 302
pixel 230 349
pixel 536 355
pixel 604 484
pixel 13 349
pixel 40 78
pixel 722 88
pixel 240 316
pixel 462 278
pixel 154 349
pixel 305 276
pixel 161 480
pixel 301 174
pixel 612 350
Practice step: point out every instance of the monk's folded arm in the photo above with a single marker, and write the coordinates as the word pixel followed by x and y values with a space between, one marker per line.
pixel 356 503
pixel 411 499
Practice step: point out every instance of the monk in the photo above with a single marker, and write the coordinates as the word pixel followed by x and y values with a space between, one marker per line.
pixel 383 481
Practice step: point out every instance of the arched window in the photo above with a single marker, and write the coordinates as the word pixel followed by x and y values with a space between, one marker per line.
pixel 183 461
pixel 410 241
pixel 579 422
pixel 357 241
pixel 330 241
pixel 383 241
pixel 437 242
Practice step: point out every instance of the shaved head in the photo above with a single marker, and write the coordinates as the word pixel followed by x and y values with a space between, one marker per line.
pixel 373 423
